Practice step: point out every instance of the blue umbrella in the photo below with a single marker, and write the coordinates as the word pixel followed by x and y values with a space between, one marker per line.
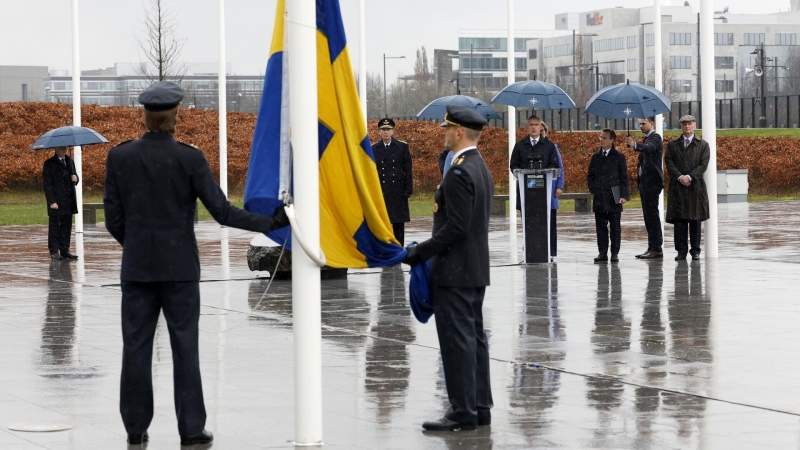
pixel 534 94
pixel 627 101
pixel 438 108
pixel 68 137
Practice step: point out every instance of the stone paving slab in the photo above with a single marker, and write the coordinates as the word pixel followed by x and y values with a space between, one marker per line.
pixel 648 355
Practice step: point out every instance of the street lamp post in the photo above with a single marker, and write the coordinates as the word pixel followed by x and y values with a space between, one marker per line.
pixel 385 110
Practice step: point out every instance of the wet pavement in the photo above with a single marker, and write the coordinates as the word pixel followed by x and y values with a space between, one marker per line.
pixel 644 355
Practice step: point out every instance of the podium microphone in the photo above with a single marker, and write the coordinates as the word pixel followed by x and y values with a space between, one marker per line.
pixel 539 160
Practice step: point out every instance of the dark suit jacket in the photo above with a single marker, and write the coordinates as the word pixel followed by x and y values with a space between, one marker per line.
pixel 59 187
pixel 651 152
pixel 460 242
pixel 604 173
pixel 523 149
pixel 151 191
pixel 397 182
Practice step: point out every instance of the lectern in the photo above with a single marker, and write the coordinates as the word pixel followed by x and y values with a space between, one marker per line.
pixel 536 190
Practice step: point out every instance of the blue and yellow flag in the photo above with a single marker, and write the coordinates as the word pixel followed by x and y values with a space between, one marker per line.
pixel 354 225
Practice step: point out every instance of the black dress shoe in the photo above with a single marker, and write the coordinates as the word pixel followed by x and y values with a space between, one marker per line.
pixel 614 258
pixel 203 437
pixel 484 418
pixel 652 255
pixel 55 257
pixel 643 254
pixel 137 439
pixel 68 255
pixel 601 258
pixel 695 257
pixel 445 424
pixel 680 257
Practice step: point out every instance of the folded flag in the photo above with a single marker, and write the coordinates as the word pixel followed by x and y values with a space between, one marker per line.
pixel 355 230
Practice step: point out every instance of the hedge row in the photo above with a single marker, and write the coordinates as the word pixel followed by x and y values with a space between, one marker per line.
pixel 774 163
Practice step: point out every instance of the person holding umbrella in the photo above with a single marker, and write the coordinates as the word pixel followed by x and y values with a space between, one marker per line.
pixel 60 178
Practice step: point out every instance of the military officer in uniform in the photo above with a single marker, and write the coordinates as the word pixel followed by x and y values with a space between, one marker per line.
pixel 393 160
pixel 151 190
pixel 459 249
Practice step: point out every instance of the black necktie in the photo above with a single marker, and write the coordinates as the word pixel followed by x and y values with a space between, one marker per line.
pixel 64 162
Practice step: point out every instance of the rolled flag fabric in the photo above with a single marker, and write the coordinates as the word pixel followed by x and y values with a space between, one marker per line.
pixel 420 293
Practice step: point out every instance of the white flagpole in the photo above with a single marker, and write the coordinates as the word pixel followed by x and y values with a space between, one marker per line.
pixel 709 121
pixel 306 292
pixel 222 104
pixel 362 56
pixel 511 121
pixel 76 114
pixel 659 85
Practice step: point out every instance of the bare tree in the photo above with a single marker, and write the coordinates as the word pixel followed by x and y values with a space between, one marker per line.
pixel 160 49
pixel 374 95
pixel 582 92
pixel 791 82
pixel 672 92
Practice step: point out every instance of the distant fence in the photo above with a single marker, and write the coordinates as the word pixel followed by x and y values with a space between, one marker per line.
pixel 779 112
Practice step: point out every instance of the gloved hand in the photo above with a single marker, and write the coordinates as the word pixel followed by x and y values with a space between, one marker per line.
pixel 279 218
pixel 412 257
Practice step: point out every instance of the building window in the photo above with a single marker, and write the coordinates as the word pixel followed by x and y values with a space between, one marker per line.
pixel 681 86
pixel 562 50
pixel 650 39
pixel 723 38
pixel 680 39
pixel 650 63
pixel 632 65
pixel 785 39
pixel 532 74
pixel 723 85
pixel 723 62
pixel 532 54
pixel 548 52
pixel 24 92
pixel 753 38
pixel 633 41
pixel 607 45
pixel 520 64
pixel 680 62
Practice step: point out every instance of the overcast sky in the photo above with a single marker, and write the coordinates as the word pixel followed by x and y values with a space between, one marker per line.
pixel 38 32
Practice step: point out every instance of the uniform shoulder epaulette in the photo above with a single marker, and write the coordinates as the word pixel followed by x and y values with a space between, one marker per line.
pixel 189 145
pixel 402 142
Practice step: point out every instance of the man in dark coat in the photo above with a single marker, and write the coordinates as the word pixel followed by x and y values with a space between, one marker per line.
pixel 531 149
pixel 60 178
pixel 651 183
pixel 608 181
pixel 393 160
pixel 459 249
pixel 151 191
pixel 687 204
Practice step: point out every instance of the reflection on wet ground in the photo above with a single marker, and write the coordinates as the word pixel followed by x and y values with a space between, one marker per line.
pixel 644 355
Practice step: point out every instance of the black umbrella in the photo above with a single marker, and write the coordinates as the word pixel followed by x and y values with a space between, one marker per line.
pixel 68 137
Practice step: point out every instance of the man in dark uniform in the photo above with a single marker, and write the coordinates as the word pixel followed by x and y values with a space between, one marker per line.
pixel 60 178
pixel 393 160
pixel 533 147
pixel 651 183
pixel 459 249
pixel 151 191
pixel 608 170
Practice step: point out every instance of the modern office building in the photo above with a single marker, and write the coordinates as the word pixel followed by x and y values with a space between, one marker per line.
pixel 22 83
pixel 617 44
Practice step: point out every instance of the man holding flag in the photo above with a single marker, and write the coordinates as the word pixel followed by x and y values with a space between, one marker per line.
pixel 459 249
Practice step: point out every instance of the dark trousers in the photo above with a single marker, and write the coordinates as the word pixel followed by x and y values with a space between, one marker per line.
pixel 141 304
pixel 553 235
pixel 690 229
pixel 652 221
pixel 602 221
pixel 59 233
pixel 399 232
pixel 465 351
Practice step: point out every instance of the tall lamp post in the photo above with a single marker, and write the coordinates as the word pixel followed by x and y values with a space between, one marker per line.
pixel 573 56
pixel 759 51
pixel 385 110
pixel 595 67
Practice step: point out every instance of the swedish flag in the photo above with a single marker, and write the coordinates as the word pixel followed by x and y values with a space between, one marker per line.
pixel 354 225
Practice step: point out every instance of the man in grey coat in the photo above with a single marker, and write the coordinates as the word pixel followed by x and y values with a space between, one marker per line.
pixel 687 202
